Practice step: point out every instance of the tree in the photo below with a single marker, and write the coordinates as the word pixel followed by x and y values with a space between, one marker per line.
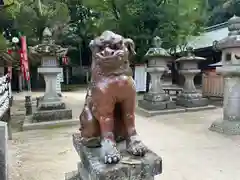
pixel 32 16
pixel 221 10
pixel 182 20
pixel 81 28
pixel 172 20
pixel 6 22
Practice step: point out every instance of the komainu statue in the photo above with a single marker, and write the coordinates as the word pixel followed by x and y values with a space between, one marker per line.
pixel 108 114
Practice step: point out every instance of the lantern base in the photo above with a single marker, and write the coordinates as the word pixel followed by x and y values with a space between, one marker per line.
pixel 156 97
pixel 156 105
pixel 191 99
pixel 50 115
pixel 226 127
pixel 50 110
pixel 192 102
pixel 42 105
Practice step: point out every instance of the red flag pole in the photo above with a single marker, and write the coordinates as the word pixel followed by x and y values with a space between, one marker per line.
pixel 26 73
pixel 24 62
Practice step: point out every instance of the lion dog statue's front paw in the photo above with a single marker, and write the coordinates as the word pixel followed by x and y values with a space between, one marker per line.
pixel 109 152
pixel 135 146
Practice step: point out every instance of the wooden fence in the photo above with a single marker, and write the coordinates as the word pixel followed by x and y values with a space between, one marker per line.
pixel 212 85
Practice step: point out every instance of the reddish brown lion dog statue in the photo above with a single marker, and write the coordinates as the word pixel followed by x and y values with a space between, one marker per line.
pixel 108 114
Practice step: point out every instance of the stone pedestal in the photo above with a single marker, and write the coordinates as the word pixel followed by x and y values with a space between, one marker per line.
pixel 51 107
pixel 3 151
pixel 129 168
pixel 51 99
pixel 230 123
pixel 156 98
pixel 190 97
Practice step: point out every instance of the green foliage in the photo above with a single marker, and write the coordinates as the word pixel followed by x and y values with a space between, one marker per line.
pixel 221 10
pixel 6 21
pixel 33 16
pixel 3 44
pixel 172 20
pixel 81 20
pixel 80 30
pixel 181 20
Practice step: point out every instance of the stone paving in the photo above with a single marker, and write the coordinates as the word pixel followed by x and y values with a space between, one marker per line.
pixel 189 150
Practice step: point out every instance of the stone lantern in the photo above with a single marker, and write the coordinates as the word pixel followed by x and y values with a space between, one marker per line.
pixel 190 97
pixel 156 98
pixel 230 46
pixel 51 101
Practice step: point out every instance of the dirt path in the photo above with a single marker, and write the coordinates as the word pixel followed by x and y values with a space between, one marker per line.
pixel 189 150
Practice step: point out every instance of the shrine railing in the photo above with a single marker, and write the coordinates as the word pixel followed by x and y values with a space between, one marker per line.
pixel 4 95
pixel 5 102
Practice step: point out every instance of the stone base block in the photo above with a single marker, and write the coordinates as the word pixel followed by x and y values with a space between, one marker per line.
pixel 129 168
pixel 40 116
pixel 74 175
pixel 50 125
pixel 192 102
pixel 149 113
pixel 42 105
pixel 200 108
pixel 156 97
pixel 226 127
pixel 156 105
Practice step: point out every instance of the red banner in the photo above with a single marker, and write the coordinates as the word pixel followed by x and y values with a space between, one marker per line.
pixel 65 60
pixel 10 72
pixel 24 59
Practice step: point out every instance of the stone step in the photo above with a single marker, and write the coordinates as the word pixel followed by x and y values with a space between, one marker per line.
pixel 18 113
pixel 50 124
pixel 49 115
pixel 148 113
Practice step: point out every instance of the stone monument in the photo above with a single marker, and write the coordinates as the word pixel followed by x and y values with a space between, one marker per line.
pixel 50 106
pixel 108 144
pixel 3 151
pixel 156 98
pixel 190 97
pixel 58 83
pixel 230 46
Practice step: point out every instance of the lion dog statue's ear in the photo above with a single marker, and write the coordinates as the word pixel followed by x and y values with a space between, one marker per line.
pixel 130 45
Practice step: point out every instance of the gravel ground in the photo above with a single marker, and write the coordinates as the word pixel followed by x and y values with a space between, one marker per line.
pixel 189 150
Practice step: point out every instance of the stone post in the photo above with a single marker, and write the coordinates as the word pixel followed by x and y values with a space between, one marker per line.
pixel 190 97
pixel 3 151
pixel 28 105
pixel 156 98
pixel 230 46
